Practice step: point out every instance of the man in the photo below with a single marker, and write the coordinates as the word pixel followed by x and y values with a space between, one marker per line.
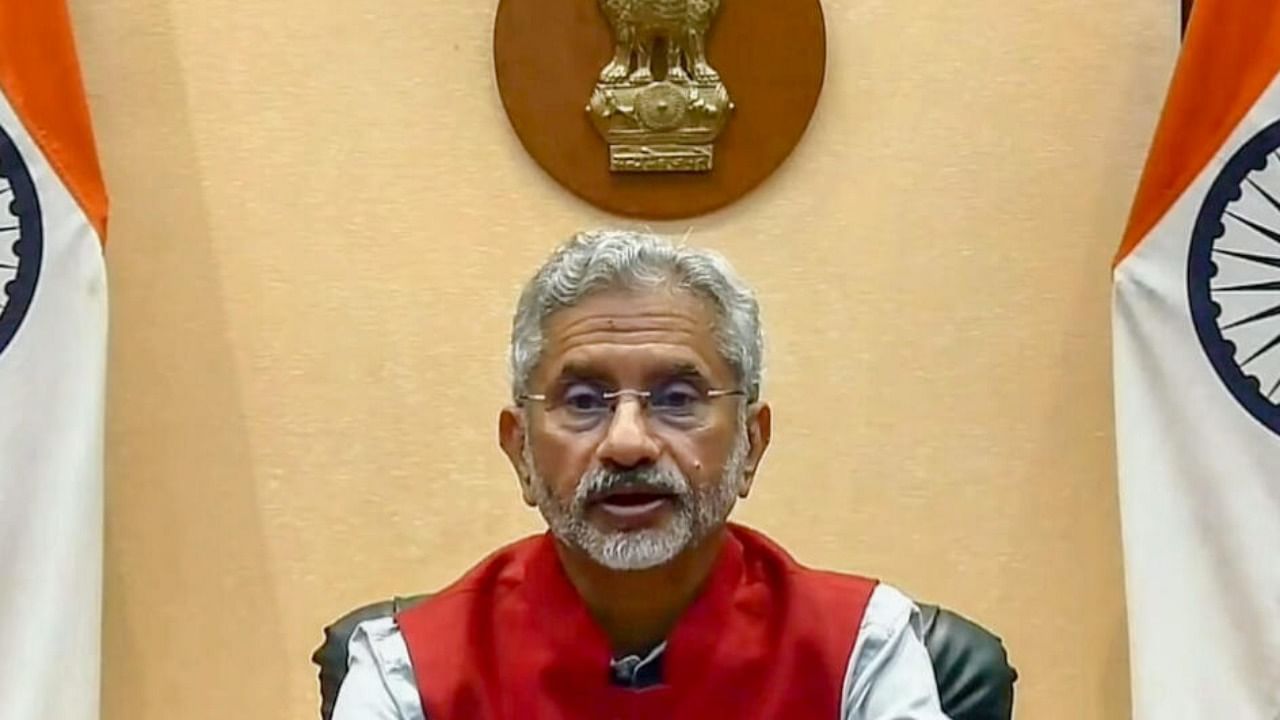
pixel 636 425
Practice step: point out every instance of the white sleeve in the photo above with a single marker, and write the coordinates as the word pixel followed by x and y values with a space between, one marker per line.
pixel 890 675
pixel 380 684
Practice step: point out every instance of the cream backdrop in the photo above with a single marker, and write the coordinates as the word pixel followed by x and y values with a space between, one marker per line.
pixel 320 222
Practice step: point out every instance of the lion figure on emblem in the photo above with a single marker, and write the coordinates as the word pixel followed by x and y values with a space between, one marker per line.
pixel 639 26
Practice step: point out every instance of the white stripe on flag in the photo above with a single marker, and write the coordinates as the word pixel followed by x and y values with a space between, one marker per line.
pixel 1200 474
pixel 52 377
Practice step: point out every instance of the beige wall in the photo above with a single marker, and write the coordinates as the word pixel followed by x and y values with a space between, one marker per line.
pixel 321 219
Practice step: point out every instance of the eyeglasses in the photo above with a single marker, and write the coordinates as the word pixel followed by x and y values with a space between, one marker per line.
pixel 584 406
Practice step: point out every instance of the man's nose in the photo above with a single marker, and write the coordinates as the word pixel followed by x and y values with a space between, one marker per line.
pixel 627 442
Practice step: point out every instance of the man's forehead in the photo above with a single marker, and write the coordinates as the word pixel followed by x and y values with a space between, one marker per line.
pixel 663 327
pixel 626 311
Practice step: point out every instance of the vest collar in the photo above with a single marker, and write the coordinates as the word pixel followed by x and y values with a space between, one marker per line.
pixel 576 639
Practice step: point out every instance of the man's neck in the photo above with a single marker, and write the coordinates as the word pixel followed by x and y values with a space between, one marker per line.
pixel 637 609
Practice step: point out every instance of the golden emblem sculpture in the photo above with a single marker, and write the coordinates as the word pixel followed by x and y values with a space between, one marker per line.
pixel 658 103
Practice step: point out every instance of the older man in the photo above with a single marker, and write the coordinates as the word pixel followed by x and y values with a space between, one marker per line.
pixel 636 424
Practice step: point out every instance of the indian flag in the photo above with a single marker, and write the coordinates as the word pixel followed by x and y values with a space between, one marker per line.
pixel 53 331
pixel 1196 319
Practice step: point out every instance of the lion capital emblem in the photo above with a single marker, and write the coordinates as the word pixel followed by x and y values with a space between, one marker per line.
pixel 658 102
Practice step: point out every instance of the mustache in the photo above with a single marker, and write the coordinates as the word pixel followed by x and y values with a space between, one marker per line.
pixel 600 482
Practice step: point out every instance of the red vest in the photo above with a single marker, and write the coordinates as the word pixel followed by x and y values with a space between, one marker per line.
pixel 512 640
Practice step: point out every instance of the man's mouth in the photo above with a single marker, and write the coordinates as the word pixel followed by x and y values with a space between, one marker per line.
pixel 633 504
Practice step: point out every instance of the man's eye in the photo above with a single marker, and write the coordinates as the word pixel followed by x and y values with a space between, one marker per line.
pixel 679 397
pixel 583 398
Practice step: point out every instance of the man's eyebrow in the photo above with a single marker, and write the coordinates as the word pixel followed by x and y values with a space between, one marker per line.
pixel 571 371
pixel 579 371
pixel 681 369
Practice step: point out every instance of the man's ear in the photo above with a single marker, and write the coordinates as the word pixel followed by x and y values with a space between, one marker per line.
pixel 759 431
pixel 512 435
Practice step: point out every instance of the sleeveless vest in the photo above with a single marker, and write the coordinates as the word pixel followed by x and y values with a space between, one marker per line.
pixel 511 640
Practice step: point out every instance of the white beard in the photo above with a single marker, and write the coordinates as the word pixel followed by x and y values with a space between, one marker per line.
pixel 695 515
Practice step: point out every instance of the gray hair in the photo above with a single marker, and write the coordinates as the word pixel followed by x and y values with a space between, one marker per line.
pixel 593 262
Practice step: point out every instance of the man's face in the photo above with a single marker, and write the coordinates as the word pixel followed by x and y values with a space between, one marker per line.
pixel 634 487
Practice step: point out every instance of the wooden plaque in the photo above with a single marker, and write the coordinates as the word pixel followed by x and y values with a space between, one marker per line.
pixel 771 56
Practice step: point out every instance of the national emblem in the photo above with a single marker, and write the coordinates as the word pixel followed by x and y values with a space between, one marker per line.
pixel 660 116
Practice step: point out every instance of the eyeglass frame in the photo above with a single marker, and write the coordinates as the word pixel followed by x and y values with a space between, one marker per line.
pixel 642 396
